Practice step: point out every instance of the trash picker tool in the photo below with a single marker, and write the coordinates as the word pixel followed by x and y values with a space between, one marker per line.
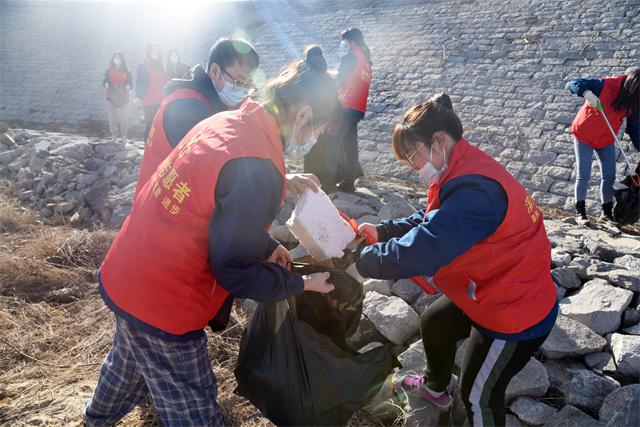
pixel 420 281
pixel 634 175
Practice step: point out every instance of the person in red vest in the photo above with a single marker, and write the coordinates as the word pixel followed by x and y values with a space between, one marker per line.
pixel 150 84
pixel 174 68
pixel 619 98
pixel 117 80
pixel 197 234
pixel 482 240
pixel 200 94
pixel 353 79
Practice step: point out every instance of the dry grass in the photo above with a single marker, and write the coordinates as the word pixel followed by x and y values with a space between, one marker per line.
pixel 55 330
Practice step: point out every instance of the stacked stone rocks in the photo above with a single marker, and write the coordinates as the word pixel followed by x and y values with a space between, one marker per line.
pixel 84 179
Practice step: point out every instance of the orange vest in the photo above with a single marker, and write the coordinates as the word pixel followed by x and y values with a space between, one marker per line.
pixel 117 78
pixel 589 125
pixel 355 91
pixel 155 91
pixel 511 268
pixel 158 147
pixel 158 269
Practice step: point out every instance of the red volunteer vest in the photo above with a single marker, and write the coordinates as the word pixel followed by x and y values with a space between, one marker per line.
pixel 157 147
pixel 511 268
pixel 157 269
pixel 589 125
pixel 355 91
pixel 155 91
pixel 117 78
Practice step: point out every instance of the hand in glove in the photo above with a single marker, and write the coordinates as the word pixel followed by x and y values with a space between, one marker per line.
pixel 106 85
pixel 317 282
pixel 591 99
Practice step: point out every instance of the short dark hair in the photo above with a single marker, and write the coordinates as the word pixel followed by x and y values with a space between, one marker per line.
pixel 422 121
pixel 228 51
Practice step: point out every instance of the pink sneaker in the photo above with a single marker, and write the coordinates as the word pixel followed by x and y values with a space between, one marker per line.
pixel 415 385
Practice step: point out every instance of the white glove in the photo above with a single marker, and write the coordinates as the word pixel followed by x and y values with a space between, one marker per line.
pixel 127 87
pixel 106 85
pixel 591 99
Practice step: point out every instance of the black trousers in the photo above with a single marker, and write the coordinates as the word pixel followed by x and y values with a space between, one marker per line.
pixel 149 114
pixel 489 364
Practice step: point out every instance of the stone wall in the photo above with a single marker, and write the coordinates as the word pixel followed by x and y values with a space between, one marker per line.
pixel 505 64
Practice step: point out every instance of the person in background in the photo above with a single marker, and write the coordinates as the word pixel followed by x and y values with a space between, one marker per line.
pixel 150 84
pixel 353 79
pixel 175 68
pixel 117 80
pixel 619 98
pixel 200 94
pixel 198 233
pixel 482 241
pixel 315 160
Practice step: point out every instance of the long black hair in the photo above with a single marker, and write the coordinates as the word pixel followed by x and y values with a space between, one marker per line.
pixel 155 63
pixel 629 96
pixel 123 65
pixel 355 35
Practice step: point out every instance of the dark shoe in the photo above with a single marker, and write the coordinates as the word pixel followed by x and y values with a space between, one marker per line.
pixel 346 187
pixel 606 217
pixel 581 213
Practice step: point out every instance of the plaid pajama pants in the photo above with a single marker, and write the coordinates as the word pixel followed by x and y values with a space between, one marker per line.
pixel 178 375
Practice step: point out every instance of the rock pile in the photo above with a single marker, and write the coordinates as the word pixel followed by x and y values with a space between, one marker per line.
pixel 587 372
pixel 84 179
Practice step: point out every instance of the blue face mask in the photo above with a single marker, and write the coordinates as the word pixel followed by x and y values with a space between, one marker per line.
pixel 343 47
pixel 230 95
pixel 294 150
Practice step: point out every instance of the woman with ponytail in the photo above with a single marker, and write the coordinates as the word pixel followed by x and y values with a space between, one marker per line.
pixel 353 79
pixel 481 240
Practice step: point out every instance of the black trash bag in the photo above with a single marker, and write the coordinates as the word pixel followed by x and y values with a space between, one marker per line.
pixel 335 314
pixel 627 202
pixel 297 376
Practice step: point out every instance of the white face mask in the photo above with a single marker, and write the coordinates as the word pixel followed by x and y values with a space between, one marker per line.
pixel 117 61
pixel 343 46
pixel 154 56
pixel 429 172
pixel 174 59
pixel 230 95
pixel 295 150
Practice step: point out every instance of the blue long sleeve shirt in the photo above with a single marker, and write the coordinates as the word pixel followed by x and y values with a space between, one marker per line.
pixel 183 114
pixel 247 197
pixel 472 208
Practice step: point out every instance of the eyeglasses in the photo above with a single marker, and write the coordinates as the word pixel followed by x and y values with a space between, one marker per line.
pixel 409 159
pixel 237 83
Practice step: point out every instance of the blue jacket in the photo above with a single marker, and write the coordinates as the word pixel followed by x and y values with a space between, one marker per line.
pixel 183 114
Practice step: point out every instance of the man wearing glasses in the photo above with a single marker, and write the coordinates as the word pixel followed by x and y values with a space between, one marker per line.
pixel 200 94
